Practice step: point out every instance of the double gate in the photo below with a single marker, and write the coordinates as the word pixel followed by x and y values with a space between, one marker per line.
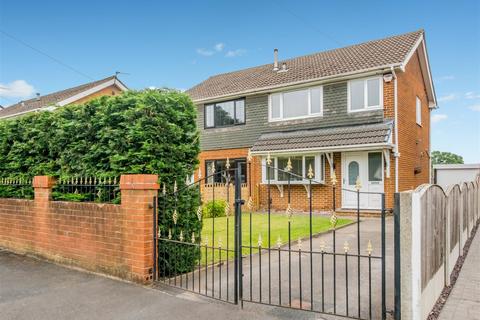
pixel 238 254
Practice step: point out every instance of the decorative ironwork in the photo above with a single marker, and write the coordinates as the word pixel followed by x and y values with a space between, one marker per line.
pixel 333 178
pixel 87 189
pixel 279 242
pixel 369 248
pixel 16 188
pixel 346 246
pixel 301 265
pixel 249 155
pixel 227 164
pixel 199 213
pixel 289 167
pixel 333 220
pixel 310 173
pixel 175 216
pixel 269 160
pixel 289 212
pixel 227 209
pixel 358 184
pixel 250 203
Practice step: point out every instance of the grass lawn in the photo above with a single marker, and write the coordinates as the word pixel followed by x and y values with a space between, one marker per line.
pixel 300 228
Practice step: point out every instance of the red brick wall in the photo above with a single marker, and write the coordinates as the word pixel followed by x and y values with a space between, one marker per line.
pixel 414 140
pixel 107 238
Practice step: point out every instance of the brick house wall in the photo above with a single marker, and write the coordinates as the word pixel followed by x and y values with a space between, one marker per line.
pixel 414 140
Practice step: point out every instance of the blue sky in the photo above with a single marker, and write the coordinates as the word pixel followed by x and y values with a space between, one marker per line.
pixel 180 43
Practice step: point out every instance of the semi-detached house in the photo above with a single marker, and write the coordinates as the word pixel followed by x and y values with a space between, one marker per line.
pixel 361 111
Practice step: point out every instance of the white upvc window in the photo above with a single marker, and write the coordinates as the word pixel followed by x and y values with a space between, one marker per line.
pixel 418 111
pixel 365 94
pixel 300 166
pixel 295 104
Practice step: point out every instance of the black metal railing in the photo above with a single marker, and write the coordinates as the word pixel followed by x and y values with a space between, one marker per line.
pixel 197 261
pixel 313 272
pixel 20 188
pixel 87 189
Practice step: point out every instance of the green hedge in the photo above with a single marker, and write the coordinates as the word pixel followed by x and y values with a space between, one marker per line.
pixel 151 131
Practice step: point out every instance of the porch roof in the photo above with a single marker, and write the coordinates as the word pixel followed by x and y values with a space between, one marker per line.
pixel 328 139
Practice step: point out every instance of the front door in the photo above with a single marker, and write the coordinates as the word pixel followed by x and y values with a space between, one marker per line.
pixel 368 167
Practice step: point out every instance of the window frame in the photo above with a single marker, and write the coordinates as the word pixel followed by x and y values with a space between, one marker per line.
pixel 365 94
pixel 309 99
pixel 208 162
pixel 214 104
pixel 418 111
pixel 319 169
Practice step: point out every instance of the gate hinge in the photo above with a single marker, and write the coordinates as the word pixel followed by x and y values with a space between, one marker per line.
pixel 240 201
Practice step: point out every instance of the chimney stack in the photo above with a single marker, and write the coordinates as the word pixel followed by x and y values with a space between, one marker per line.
pixel 275 59
pixel 38 96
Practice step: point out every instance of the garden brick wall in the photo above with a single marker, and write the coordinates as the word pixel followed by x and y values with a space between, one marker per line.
pixel 112 239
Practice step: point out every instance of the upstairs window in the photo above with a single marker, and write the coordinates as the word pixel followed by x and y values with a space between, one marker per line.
pixel 365 94
pixel 418 110
pixel 225 114
pixel 296 104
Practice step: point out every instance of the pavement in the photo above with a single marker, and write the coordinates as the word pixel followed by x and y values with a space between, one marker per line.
pixel 37 290
pixel 464 300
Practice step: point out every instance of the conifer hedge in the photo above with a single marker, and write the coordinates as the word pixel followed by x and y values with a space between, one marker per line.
pixel 151 131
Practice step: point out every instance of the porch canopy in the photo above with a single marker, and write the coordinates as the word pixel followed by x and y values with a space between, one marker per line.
pixel 328 140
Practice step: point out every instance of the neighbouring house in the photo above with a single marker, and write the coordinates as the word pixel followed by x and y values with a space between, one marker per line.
pixel 362 111
pixel 450 174
pixel 106 87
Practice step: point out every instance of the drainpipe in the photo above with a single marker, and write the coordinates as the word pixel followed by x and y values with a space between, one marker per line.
pixel 396 154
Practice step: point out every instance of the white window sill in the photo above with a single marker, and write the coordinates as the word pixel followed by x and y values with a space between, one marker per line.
pixel 366 109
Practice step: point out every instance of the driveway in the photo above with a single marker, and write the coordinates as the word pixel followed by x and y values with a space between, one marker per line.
pixel 34 289
pixel 258 287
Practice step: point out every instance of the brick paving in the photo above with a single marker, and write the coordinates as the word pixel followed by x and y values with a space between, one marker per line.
pixel 464 300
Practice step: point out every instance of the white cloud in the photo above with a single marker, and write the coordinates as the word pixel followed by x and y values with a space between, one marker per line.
pixel 16 89
pixel 472 95
pixel 439 117
pixel 219 46
pixel 205 52
pixel 448 97
pixel 235 53
pixel 475 107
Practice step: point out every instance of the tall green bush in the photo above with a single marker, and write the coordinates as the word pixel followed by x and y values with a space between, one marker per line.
pixel 151 131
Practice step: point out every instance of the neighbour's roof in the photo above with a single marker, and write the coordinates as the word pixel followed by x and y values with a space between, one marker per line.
pixel 457 166
pixel 392 51
pixel 304 140
pixel 54 98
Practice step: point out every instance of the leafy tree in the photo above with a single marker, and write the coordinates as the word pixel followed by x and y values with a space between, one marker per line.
pixel 439 157
pixel 151 131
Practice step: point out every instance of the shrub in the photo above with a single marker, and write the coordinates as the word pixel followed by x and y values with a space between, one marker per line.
pixel 214 209
pixel 151 131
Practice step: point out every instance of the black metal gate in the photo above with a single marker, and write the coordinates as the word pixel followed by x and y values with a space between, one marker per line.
pixel 339 272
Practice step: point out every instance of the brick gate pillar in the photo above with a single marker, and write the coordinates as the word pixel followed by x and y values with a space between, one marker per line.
pixel 137 192
pixel 42 186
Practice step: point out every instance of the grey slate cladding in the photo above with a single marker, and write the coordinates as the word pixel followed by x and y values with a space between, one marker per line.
pixel 256 107
pixel 324 138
